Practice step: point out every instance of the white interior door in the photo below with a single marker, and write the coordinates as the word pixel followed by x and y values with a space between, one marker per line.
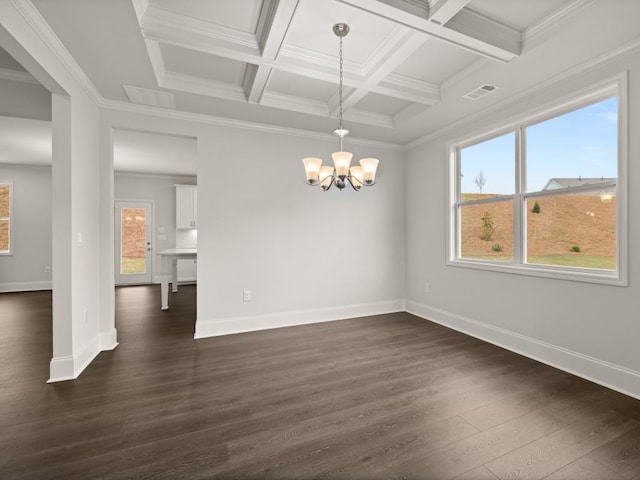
pixel 134 246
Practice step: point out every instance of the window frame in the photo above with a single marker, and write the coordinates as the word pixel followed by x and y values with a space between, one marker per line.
pixel 9 219
pixel 616 87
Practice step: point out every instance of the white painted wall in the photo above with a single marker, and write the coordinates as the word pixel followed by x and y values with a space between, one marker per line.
pixel 586 328
pixel 25 100
pixel 160 190
pixel 24 269
pixel 307 255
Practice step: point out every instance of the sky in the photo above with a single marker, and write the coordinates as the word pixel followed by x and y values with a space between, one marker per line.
pixel 582 143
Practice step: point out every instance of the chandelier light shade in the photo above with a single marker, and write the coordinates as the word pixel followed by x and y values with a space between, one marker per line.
pixel 342 173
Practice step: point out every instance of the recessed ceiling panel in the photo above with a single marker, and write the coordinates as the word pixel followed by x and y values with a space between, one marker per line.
pixel 312 30
pixel 304 87
pixel 239 14
pixel 519 14
pixel 376 103
pixel 202 65
pixel 435 61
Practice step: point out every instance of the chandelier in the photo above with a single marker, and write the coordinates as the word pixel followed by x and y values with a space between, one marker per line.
pixel 341 173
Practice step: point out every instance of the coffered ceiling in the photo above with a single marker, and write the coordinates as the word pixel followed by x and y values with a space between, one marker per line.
pixel 408 63
pixel 283 54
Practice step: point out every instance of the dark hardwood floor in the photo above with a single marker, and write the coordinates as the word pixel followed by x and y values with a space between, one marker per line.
pixel 390 396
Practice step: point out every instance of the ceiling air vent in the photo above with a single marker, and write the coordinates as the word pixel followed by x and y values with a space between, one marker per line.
pixel 480 91
pixel 153 98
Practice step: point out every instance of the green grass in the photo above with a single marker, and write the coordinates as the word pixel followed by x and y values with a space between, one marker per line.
pixel 565 260
pixel 132 265
pixel 576 260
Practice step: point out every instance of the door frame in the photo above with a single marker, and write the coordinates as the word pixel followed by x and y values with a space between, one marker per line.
pixel 150 204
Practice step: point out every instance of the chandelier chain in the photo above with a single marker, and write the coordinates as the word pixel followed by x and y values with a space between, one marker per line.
pixel 341 78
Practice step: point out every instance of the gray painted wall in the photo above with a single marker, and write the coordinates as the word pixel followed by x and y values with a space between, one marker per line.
pixel 24 269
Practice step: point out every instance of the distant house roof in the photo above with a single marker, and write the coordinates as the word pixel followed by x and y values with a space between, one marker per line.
pixel 555 183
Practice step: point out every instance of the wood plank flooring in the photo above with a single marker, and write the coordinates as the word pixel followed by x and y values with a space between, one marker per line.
pixel 390 396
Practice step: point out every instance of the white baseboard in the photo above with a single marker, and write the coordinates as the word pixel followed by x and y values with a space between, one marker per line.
pixel 25 286
pixel 108 340
pixel 598 371
pixel 70 367
pixel 227 326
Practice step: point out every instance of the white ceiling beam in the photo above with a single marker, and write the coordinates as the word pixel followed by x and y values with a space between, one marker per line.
pixel 415 7
pixel 471 31
pixel 399 45
pixel 472 24
pixel 140 7
pixel 441 11
pixel 350 97
pixel 273 25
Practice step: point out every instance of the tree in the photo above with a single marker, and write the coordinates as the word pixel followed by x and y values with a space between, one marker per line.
pixel 487 227
pixel 536 208
pixel 480 180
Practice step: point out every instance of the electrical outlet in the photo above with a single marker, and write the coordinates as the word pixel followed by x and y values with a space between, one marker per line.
pixel 425 287
pixel 47 269
pixel 246 295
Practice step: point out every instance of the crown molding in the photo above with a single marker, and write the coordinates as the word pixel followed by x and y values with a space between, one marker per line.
pixel 551 21
pixel 575 71
pixel 17 76
pixel 156 18
pixel 211 88
pixel 296 104
pixel 38 24
pixel 369 118
pixel 240 124
pixel 428 92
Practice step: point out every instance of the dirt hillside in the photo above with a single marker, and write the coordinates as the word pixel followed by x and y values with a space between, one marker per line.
pixel 563 221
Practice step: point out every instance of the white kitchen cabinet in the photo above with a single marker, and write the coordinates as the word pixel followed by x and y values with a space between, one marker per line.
pixel 186 207
pixel 187 270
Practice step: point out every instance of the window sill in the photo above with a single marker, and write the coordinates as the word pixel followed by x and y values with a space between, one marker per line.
pixel 574 274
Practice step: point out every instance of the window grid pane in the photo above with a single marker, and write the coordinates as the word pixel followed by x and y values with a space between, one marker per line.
pixel 487 231
pixel 574 230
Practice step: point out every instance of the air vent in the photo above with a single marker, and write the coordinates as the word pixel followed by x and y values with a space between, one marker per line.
pixel 153 98
pixel 480 91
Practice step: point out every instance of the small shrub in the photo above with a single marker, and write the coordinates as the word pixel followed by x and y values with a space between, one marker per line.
pixel 487 227
pixel 497 248
pixel 536 208
pixel 575 248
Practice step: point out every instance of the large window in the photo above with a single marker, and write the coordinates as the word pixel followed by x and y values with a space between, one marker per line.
pixel 5 217
pixel 543 196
